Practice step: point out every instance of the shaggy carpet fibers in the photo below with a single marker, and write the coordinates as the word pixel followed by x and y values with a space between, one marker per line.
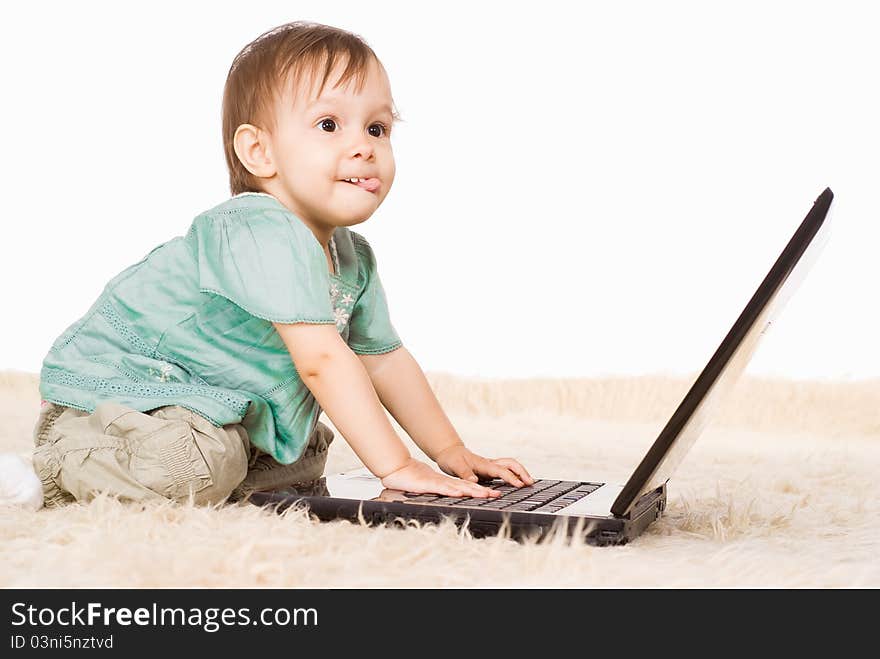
pixel 780 491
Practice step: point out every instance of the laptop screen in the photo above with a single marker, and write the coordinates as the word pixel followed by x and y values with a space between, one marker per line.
pixel 731 358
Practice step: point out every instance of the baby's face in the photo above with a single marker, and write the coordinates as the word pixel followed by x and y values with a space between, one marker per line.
pixel 320 142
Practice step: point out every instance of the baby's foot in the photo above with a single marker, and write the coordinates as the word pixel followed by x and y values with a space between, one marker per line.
pixel 19 485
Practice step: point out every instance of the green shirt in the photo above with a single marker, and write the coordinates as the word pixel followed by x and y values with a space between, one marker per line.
pixel 191 323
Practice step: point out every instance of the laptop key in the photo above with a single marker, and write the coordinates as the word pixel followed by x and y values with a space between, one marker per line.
pixel 495 505
pixel 443 501
pixel 420 498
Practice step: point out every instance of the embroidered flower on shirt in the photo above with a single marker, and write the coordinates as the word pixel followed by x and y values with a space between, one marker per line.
pixel 341 316
pixel 341 307
pixel 165 374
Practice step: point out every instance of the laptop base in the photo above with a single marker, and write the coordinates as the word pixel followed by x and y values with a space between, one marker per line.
pixel 520 526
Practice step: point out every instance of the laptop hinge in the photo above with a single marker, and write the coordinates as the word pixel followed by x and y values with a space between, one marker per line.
pixel 646 501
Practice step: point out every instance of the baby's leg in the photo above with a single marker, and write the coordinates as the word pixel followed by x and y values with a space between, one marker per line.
pixel 266 473
pixel 169 452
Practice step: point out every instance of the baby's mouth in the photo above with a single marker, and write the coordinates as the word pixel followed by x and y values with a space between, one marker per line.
pixel 369 184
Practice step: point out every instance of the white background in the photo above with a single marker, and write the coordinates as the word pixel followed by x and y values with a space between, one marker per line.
pixel 583 188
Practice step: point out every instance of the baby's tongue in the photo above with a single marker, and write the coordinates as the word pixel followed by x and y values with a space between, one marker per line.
pixel 371 184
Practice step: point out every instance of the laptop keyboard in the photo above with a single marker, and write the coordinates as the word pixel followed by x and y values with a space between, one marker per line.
pixel 544 496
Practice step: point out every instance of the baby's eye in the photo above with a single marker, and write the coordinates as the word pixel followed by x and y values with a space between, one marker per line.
pixel 376 130
pixel 382 130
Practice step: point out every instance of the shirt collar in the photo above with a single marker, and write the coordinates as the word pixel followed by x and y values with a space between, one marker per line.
pixel 348 267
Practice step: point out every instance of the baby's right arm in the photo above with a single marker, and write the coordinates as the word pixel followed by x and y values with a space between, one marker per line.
pixel 340 384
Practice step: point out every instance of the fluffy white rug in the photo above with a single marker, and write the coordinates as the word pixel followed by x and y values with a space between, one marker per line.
pixel 781 490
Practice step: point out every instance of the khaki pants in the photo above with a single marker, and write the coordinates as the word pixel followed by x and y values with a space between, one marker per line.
pixel 166 453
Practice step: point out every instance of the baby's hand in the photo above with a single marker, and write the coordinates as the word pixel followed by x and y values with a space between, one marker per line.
pixel 459 461
pixel 418 477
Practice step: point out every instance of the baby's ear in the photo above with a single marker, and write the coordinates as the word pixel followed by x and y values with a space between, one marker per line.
pixel 252 148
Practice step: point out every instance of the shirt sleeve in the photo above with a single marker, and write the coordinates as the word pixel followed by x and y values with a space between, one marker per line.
pixel 370 328
pixel 265 262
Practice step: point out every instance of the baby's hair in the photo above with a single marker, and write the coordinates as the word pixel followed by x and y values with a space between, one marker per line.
pixel 285 54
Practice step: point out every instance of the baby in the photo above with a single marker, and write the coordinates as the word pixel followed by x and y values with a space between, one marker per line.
pixel 201 370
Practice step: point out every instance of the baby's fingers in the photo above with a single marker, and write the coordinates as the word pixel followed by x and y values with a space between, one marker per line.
pixel 492 468
pixel 467 489
pixel 516 468
pixel 459 467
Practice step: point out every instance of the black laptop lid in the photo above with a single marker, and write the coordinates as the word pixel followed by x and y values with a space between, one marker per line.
pixel 731 358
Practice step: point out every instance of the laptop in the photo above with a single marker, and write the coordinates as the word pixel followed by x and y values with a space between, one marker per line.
pixel 600 513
